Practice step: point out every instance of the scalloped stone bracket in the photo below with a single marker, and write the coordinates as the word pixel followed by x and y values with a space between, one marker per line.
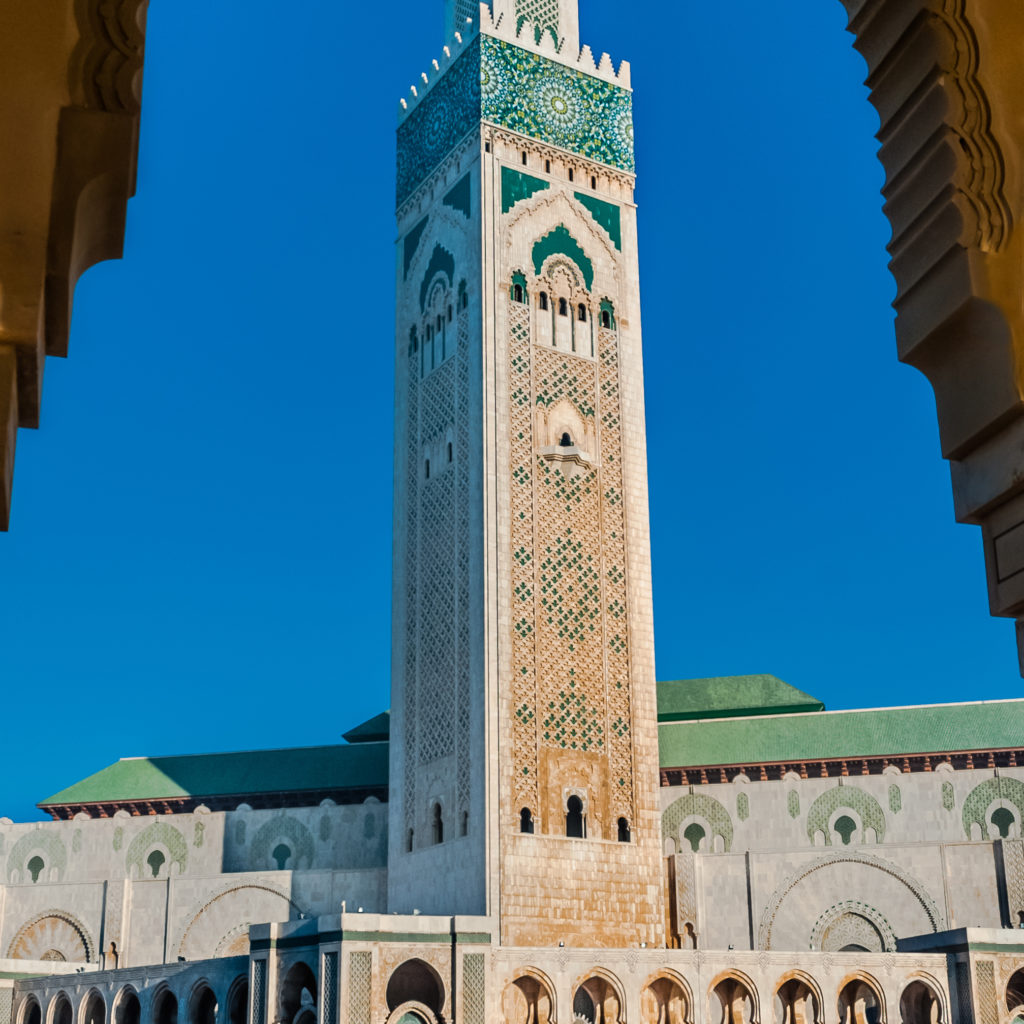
pixel 948 90
pixel 70 114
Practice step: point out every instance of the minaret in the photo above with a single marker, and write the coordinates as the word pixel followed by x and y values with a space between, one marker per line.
pixel 524 747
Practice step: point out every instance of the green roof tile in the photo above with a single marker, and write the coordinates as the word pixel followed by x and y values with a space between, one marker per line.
pixel 730 696
pixel 376 729
pixel 298 769
pixel 885 732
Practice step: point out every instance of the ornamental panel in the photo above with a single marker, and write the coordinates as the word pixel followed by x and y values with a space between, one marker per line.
pixel 498 82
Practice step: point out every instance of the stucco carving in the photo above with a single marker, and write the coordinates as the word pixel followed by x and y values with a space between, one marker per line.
pixel 53 935
pixel 933 913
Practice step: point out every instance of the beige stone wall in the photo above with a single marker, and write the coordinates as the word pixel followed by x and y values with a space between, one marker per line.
pixel 575 668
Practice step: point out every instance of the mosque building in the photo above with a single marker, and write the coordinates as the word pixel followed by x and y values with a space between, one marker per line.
pixel 537 832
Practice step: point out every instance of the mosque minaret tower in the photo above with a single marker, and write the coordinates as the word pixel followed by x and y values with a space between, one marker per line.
pixel 524 754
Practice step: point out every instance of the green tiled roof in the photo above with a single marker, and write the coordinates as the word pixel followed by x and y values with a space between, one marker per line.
pixel 729 697
pixel 886 732
pixel 377 728
pixel 299 769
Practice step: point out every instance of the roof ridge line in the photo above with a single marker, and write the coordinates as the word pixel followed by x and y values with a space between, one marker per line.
pixel 853 711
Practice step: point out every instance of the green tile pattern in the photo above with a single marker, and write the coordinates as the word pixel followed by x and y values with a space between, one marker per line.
pixel 500 83
pixel 459 196
pixel 698 805
pixel 743 806
pixel 297 769
pixel 516 186
pixel 1001 790
pixel 895 799
pixel 545 100
pixel 890 732
pixel 571 722
pixel 793 804
pixel 864 804
pixel 606 214
pixel 411 243
pixel 162 834
pixel 729 697
pixel 560 241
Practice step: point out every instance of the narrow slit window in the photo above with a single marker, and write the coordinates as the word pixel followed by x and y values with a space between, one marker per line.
pixel 449 451
pixel 571 175
pixel 547 166
pixel 606 318
pixel 524 157
pixel 487 147
pixel 517 293
pixel 575 824
pixel 593 183
pixel 563 307
pixel 581 312
pixel 426 469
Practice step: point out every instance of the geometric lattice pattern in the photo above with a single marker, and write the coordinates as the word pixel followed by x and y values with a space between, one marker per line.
pixel 857 800
pixel 474 1003
pixel 329 988
pixel 502 84
pixel 702 806
pixel 360 987
pixel 437 619
pixel 570 636
pixel 987 999
pixel 543 14
pixel 259 991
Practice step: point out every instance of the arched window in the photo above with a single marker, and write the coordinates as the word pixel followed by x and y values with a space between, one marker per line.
pixel 440 323
pixel 526 821
pixel 35 867
pixel 624 834
pixel 606 318
pixel 581 312
pixel 845 826
pixel 281 855
pixel 575 824
pixel 563 307
pixel 542 300
pixel 565 441
pixel 436 825
pixel 517 293
pixel 1003 819
pixel 156 861
pixel 694 835
pixel 593 182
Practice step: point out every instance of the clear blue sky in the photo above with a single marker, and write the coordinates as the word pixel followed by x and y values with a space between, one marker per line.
pixel 199 555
